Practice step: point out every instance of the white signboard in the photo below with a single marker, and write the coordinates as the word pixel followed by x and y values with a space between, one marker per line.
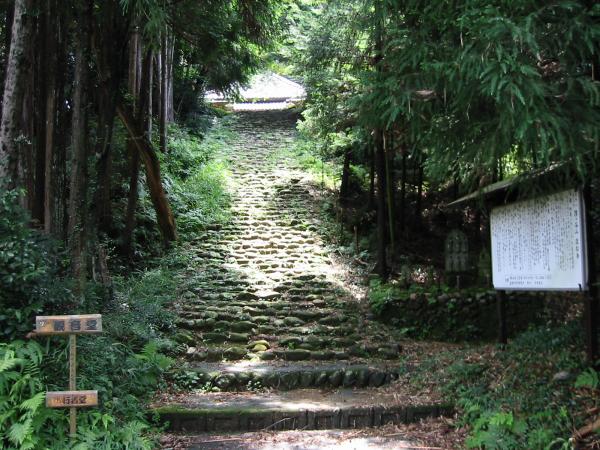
pixel 539 244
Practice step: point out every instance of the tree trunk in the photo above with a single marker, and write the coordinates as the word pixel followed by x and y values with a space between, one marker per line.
pixel 134 155
pixel 50 116
pixel 61 137
pixel 380 160
pixel 419 208
pixel 390 188
pixel 403 192
pixel 164 215
pixel 163 94
pixel 110 34
pixel 12 100
pixel 8 22
pixel 79 170
pixel 382 234
pixel 157 86
pixel 371 203
pixel 104 157
pixel 170 54
pixel 28 155
pixel 40 83
pixel 148 67
pixel 344 185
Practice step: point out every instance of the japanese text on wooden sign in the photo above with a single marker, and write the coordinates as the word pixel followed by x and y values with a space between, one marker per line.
pixel 539 244
pixel 76 324
pixel 71 399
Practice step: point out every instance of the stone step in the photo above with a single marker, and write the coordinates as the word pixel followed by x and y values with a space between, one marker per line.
pixel 244 332
pixel 252 375
pixel 326 326
pixel 252 307
pixel 236 351
pixel 291 410
pixel 259 315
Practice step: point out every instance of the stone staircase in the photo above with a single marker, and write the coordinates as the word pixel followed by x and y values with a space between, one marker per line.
pixel 275 333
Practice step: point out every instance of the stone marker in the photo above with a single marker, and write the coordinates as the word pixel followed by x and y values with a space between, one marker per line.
pixel 456 252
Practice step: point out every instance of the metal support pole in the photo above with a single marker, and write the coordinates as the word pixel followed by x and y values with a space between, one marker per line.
pixel 501 308
pixel 72 382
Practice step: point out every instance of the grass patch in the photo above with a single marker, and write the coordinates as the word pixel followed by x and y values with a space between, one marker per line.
pixel 305 153
pixel 202 198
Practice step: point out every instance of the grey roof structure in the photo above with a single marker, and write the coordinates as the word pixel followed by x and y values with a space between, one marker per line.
pixel 265 87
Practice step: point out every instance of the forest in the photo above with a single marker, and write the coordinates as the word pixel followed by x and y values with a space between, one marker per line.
pixel 269 270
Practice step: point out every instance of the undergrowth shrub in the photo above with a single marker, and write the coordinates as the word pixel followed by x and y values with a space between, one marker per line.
pixel 186 153
pixel 511 399
pixel 127 362
pixel 24 420
pixel 123 379
pixel 125 373
pixel 202 199
pixel 28 272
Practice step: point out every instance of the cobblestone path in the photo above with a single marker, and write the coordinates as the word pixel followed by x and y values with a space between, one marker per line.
pixel 276 336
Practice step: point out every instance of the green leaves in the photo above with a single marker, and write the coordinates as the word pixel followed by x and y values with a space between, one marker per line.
pixel 509 80
pixel 22 414
pixel 26 268
pixel 588 379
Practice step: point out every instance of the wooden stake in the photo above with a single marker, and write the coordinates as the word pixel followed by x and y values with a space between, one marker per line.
pixel 592 306
pixel 501 307
pixel 72 382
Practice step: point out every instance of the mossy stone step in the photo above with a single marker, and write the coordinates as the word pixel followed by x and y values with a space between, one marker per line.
pixel 244 377
pixel 201 352
pixel 304 355
pixel 299 409
pixel 217 353
pixel 214 337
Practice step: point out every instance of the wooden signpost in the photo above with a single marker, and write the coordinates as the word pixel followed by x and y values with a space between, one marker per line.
pixel 71 326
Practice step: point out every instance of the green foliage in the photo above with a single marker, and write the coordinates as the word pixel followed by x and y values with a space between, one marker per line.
pixel 202 199
pixel 588 379
pixel 323 168
pixel 185 380
pixel 138 312
pixel 125 364
pixel 23 418
pixel 510 400
pixel 154 364
pixel 475 86
pixel 102 432
pixel 25 422
pixel 186 153
pixel 28 278
pixel 197 183
pixel 381 294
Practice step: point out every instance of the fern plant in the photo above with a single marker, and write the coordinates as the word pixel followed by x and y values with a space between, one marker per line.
pixel 23 417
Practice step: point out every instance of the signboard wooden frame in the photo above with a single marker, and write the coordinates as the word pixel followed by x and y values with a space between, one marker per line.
pixel 501 193
pixel 540 244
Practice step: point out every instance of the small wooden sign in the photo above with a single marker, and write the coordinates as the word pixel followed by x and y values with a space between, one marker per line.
pixel 71 399
pixel 75 324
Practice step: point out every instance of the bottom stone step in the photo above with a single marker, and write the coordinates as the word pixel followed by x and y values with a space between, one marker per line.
pixel 300 409
pixel 434 434
pixel 250 375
